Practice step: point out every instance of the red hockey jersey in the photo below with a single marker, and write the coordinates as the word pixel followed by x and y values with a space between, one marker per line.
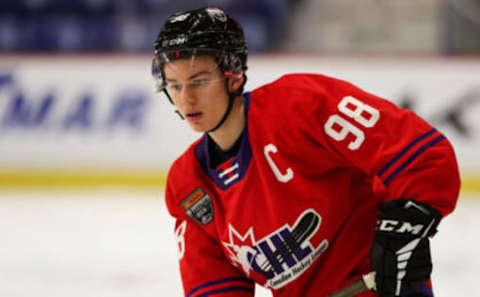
pixel 295 209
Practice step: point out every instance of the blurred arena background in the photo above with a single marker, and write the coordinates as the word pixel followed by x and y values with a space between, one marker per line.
pixel 85 145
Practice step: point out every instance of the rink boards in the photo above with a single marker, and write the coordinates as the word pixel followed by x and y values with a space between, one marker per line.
pixel 93 120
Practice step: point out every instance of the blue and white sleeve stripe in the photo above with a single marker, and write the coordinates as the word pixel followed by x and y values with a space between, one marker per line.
pixel 228 284
pixel 414 148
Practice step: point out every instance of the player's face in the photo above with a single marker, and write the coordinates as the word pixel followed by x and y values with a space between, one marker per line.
pixel 197 88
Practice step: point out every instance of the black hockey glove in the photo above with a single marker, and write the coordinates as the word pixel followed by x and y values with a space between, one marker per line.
pixel 400 252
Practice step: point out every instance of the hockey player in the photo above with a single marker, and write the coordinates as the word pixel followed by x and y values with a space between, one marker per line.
pixel 302 185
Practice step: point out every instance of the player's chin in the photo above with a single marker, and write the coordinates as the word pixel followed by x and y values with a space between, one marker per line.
pixel 197 127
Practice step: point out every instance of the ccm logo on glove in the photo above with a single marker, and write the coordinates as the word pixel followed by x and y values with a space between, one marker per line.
pixel 399 227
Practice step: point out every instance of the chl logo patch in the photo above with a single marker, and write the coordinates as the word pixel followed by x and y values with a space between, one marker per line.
pixel 198 205
pixel 281 256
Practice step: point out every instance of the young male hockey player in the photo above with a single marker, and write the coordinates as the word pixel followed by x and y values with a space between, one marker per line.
pixel 302 185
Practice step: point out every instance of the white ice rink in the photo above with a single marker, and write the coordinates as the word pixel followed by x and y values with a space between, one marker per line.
pixel 113 243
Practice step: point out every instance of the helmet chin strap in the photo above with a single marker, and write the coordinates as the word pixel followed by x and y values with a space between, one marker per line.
pixel 171 101
pixel 231 100
pixel 179 114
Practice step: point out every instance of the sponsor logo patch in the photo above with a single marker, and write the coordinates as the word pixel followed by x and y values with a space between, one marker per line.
pixel 198 205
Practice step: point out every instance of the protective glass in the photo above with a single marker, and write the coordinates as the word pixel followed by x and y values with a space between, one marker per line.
pixel 201 69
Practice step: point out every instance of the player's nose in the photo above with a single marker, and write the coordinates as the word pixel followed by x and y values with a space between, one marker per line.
pixel 187 96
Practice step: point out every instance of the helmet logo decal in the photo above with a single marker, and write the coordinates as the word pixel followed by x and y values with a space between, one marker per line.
pixel 177 41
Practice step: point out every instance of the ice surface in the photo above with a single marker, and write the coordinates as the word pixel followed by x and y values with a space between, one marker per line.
pixel 120 243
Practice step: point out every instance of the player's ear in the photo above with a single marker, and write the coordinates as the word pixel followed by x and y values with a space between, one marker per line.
pixel 235 82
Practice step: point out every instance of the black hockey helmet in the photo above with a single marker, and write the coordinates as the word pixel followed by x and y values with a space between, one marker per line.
pixel 207 28
pixel 205 31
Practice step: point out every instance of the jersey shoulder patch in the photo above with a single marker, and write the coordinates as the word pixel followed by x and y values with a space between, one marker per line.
pixel 198 206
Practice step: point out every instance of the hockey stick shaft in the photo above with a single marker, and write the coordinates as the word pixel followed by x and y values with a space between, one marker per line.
pixel 367 282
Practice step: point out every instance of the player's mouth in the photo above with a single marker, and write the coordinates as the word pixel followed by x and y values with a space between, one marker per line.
pixel 194 116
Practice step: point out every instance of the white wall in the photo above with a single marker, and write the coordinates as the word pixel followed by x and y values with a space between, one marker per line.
pixel 148 135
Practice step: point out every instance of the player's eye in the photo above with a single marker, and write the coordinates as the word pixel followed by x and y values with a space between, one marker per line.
pixel 174 86
pixel 199 82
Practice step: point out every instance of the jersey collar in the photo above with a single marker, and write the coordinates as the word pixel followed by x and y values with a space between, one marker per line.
pixel 233 170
